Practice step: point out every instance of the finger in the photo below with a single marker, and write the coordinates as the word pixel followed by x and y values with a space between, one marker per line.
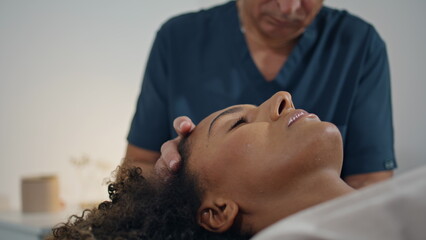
pixel 170 155
pixel 183 125
pixel 161 169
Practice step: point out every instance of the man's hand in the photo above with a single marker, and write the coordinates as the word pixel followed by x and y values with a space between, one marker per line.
pixel 169 161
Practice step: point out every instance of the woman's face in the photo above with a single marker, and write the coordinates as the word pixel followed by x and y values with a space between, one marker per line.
pixel 245 150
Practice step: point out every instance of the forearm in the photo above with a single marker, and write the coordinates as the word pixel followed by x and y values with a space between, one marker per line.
pixel 362 180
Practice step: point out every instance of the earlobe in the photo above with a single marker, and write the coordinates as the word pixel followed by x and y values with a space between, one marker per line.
pixel 218 215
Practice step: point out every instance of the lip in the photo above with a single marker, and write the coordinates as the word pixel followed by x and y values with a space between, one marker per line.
pixel 284 22
pixel 297 115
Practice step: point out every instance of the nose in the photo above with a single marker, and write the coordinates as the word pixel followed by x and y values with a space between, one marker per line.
pixel 280 103
pixel 288 6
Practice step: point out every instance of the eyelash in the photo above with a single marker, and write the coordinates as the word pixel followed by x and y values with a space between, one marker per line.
pixel 240 121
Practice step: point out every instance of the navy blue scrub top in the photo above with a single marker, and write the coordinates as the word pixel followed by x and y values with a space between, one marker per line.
pixel 200 63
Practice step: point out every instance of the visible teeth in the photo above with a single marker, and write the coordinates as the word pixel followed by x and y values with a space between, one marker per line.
pixel 296 116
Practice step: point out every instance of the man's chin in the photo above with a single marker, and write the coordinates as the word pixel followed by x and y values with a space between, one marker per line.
pixel 274 32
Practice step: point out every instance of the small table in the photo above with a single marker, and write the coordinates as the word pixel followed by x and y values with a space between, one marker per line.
pixel 15 225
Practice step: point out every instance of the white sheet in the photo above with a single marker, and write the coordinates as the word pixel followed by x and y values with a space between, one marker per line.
pixel 395 209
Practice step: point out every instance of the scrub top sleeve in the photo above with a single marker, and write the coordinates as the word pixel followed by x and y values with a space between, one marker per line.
pixel 149 127
pixel 370 144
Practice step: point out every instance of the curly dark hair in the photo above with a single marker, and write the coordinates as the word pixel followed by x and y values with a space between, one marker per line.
pixel 140 209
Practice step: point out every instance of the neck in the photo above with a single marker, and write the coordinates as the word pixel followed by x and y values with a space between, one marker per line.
pixel 310 191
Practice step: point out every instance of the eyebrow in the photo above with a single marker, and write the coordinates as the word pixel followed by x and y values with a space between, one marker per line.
pixel 226 112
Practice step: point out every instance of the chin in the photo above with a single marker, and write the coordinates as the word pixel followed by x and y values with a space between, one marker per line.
pixel 331 145
pixel 324 146
pixel 330 128
pixel 328 134
pixel 273 31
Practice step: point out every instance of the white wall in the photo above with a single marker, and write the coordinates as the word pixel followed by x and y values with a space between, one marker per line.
pixel 70 74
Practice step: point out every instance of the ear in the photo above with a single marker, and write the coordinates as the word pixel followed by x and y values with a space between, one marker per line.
pixel 217 215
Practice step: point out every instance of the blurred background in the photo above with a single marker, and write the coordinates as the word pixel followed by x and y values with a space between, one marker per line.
pixel 70 74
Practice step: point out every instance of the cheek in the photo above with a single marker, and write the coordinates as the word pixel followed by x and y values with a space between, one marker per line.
pixel 246 152
pixel 236 155
pixel 311 7
pixel 256 162
pixel 264 10
pixel 246 143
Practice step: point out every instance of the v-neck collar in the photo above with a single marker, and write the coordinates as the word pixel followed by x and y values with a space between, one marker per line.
pixel 241 53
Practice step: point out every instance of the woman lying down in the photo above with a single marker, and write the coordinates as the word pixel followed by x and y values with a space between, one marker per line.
pixel 244 169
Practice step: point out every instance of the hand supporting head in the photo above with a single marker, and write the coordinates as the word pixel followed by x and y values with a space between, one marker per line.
pixel 170 159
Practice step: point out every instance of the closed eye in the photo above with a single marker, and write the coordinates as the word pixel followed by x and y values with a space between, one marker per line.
pixel 240 121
